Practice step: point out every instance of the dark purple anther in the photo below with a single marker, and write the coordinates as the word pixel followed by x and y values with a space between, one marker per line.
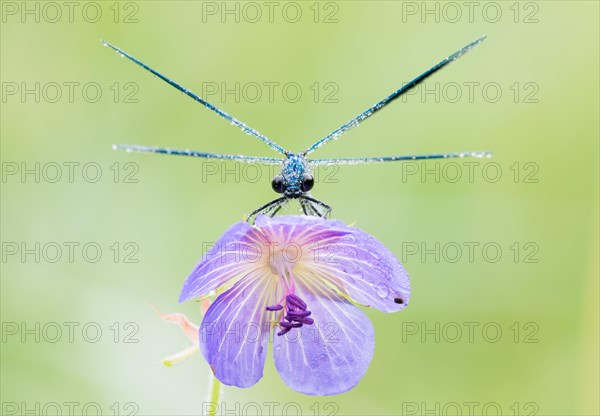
pixel 275 308
pixel 297 314
pixel 296 301
pixel 284 331
pixel 290 324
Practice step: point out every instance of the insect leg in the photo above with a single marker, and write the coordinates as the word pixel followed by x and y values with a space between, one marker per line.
pixel 321 213
pixel 276 203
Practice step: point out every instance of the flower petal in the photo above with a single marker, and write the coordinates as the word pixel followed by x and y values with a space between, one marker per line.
pixel 189 329
pixel 180 356
pixel 228 258
pixel 235 331
pixel 330 356
pixel 361 267
pixel 302 230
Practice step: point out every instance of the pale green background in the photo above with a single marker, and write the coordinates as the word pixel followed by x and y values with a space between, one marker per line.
pixel 171 212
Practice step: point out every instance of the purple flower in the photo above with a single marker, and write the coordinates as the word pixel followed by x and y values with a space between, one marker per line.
pixel 299 277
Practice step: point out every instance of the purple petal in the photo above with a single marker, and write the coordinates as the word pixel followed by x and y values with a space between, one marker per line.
pixel 235 331
pixel 300 230
pixel 363 268
pixel 330 356
pixel 263 221
pixel 230 257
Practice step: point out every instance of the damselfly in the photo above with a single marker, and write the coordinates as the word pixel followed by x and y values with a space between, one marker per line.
pixel 295 178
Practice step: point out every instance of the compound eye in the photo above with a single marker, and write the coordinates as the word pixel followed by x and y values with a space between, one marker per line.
pixel 277 184
pixel 307 182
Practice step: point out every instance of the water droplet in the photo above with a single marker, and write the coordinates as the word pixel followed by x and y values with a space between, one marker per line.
pixel 382 291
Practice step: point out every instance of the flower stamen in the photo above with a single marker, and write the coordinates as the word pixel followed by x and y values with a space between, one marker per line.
pixel 296 314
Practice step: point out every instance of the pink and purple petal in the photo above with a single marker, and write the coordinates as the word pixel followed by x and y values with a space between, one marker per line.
pixel 331 355
pixel 304 231
pixel 229 257
pixel 235 331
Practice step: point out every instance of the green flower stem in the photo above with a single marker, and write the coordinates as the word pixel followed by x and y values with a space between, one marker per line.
pixel 214 395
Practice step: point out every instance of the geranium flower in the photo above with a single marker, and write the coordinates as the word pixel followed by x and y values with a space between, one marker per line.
pixel 295 279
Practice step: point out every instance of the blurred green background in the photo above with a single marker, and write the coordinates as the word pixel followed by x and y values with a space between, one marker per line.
pixel 533 271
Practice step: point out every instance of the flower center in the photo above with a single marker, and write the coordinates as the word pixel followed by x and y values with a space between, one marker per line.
pixel 296 313
pixel 281 258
